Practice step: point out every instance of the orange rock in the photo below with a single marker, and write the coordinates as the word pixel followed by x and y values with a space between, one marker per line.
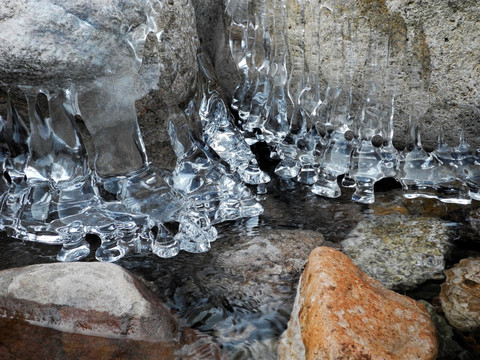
pixel 342 313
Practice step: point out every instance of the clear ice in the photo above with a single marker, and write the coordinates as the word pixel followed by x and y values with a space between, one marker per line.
pixel 51 194
pixel 299 99
pixel 293 96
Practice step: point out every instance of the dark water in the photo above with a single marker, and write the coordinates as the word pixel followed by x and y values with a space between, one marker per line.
pixel 243 301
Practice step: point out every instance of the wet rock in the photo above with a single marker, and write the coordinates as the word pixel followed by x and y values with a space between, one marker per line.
pixel 100 303
pixel 460 295
pixel 474 220
pixel 342 313
pixel 211 25
pixel 399 251
pixel 448 347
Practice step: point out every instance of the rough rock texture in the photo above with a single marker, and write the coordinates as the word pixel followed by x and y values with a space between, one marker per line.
pixel 460 295
pixel 400 251
pixel 211 25
pixel 52 44
pixel 448 347
pixel 177 52
pixel 342 313
pixel 435 45
pixel 93 300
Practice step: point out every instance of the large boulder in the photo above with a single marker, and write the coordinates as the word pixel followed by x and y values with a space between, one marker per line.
pixel 342 313
pixel 92 301
pixel 112 52
pixel 460 295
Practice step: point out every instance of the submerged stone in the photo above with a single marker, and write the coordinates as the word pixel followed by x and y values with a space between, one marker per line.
pixel 400 251
pixel 98 302
pixel 342 313
pixel 460 295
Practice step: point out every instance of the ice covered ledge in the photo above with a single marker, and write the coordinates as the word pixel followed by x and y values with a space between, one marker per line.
pixel 60 42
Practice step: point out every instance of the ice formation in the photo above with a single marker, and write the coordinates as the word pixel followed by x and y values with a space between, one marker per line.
pixel 299 99
pixel 51 195
pixel 316 127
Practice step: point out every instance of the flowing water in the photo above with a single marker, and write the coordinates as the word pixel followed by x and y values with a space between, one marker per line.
pixel 241 291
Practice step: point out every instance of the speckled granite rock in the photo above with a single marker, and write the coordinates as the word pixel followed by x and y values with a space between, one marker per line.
pixel 342 313
pixel 460 295
pixel 400 251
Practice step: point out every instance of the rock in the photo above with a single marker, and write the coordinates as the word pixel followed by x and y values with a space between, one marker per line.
pixel 98 302
pixel 400 251
pixel 460 295
pixel 448 347
pixel 474 220
pixel 102 48
pixel 342 313
pixel 211 25
pixel 434 47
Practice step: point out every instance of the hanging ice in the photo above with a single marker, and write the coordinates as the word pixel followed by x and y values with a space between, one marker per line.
pixel 299 99
pixel 48 191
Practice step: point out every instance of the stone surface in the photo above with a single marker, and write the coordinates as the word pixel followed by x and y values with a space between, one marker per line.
pixel 448 348
pixel 400 251
pixel 434 45
pixel 93 301
pixel 342 313
pixel 82 42
pixel 460 295
pixel 211 25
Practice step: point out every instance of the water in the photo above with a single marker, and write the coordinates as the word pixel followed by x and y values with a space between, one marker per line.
pixel 241 291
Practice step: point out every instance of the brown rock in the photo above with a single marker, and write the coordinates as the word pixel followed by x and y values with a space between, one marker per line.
pixel 342 313
pixel 460 295
pixel 89 311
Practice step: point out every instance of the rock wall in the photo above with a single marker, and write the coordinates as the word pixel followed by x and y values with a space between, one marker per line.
pixel 433 46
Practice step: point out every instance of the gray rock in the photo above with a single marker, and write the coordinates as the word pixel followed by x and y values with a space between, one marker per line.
pixel 211 25
pixel 80 297
pixel 102 48
pixel 99 300
pixel 54 42
pixel 400 251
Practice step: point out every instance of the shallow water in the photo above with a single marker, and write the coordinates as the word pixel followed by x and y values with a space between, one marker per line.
pixel 241 292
